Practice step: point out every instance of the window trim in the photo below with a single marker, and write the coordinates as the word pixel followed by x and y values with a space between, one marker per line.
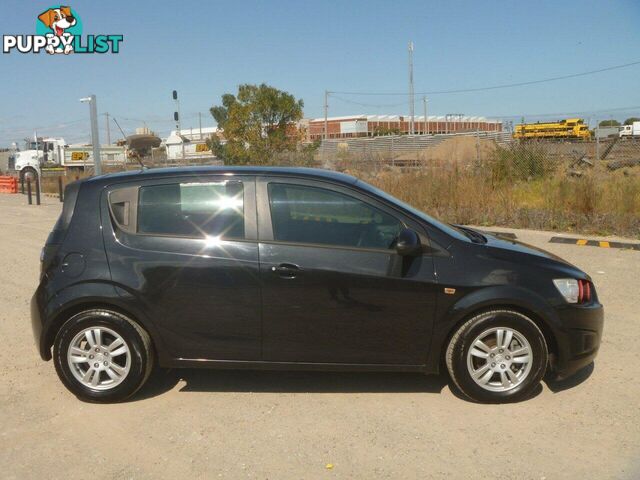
pixel 249 203
pixel 265 225
pixel 177 235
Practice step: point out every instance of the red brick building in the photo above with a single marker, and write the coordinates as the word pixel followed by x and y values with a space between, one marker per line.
pixel 372 125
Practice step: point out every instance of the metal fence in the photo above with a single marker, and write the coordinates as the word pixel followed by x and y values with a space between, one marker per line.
pixel 525 158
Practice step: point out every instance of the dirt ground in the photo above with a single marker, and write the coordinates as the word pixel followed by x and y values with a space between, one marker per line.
pixel 275 425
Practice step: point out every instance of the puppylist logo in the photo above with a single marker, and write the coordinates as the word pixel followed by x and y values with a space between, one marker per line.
pixel 59 30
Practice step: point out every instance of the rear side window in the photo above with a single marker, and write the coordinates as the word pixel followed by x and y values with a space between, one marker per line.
pixel 192 209
pixel 303 214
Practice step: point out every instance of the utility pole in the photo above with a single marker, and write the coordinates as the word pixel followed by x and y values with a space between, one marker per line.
pixel 200 123
pixel 106 114
pixel 411 99
pixel 426 128
pixel 326 113
pixel 596 134
pixel 95 139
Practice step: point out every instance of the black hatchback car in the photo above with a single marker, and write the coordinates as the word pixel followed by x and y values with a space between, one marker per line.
pixel 286 268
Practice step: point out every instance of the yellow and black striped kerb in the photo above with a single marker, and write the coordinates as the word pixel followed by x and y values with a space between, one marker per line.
pixel 595 243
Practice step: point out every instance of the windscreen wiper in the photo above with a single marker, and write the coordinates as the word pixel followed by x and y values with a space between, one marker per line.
pixel 473 235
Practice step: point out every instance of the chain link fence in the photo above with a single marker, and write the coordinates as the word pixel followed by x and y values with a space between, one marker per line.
pixel 590 185
pixel 523 158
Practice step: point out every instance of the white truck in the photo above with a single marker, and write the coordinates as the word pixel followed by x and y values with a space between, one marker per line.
pixel 54 154
pixel 632 130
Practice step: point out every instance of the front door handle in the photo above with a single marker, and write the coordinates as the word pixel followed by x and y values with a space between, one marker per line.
pixel 286 270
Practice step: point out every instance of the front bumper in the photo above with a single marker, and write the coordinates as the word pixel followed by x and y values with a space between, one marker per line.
pixel 578 335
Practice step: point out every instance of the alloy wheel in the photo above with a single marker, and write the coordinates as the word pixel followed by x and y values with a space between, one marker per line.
pixel 499 359
pixel 99 358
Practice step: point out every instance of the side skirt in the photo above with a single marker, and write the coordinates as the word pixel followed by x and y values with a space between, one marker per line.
pixel 261 365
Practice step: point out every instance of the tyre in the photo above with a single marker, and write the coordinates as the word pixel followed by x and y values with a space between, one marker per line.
pixel 102 356
pixel 497 356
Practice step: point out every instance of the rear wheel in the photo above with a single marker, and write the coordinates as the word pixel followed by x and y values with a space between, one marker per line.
pixel 102 356
pixel 497 356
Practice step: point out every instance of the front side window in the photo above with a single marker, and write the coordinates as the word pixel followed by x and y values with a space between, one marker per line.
pixel 192 209
pixel 303 214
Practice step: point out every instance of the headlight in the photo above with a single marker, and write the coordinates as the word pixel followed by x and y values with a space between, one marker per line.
pixel 569 289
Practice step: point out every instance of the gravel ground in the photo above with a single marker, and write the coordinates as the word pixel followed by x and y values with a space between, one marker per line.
pixel 212 424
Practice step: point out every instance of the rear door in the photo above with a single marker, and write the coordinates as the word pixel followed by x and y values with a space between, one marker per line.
pixel 186 249
pixel 334 288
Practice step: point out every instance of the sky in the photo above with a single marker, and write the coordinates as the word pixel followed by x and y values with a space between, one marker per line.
pixel 207 48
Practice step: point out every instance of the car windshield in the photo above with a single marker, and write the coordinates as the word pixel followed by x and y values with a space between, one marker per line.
pixel 448 229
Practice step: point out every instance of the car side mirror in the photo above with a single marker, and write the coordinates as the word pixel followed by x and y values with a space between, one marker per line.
pixel 408 243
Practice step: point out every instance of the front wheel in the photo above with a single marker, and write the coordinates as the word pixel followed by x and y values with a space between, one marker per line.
pixel 497 356
pixel 102 356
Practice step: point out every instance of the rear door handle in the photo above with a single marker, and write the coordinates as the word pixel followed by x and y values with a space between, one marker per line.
pixel 287 270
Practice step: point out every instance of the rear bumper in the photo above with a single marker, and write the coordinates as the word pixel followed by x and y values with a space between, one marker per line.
pixel 37 323
pixel 578 335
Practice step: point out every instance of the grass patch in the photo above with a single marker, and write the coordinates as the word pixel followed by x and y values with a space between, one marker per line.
pixel 596 203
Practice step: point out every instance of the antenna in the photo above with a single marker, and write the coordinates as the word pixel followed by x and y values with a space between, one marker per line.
pixel 125 136
pixel 119 128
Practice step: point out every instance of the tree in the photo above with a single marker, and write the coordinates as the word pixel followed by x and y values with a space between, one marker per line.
pixel 609 123
pixel 258 124
pixel 630 120
pixel 381 130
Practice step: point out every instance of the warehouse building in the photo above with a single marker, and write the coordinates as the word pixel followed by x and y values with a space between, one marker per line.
pixel 373 125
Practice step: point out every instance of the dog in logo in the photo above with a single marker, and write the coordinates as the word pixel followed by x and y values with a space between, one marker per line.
pixel 58 20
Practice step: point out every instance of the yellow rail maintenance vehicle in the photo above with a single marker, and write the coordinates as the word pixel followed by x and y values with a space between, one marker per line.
pixel 570 128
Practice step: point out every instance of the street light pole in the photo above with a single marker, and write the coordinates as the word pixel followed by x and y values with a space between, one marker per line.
pixel 95 139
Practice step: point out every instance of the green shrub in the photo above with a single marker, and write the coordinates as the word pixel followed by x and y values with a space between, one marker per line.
pixel 518 162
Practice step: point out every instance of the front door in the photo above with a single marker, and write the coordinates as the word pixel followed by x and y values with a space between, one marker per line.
pixel 334 289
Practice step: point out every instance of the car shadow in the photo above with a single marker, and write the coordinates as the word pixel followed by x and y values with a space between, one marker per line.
pixel 557 386
pixel 202 380
pixel 257 381
pixel 534 393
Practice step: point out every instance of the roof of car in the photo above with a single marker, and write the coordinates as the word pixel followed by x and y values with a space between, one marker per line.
pixel 149 173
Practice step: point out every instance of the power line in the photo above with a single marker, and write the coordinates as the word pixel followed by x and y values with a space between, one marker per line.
pixel 57 126
pixel 342 99
pixel 564 114
pixel 505 85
